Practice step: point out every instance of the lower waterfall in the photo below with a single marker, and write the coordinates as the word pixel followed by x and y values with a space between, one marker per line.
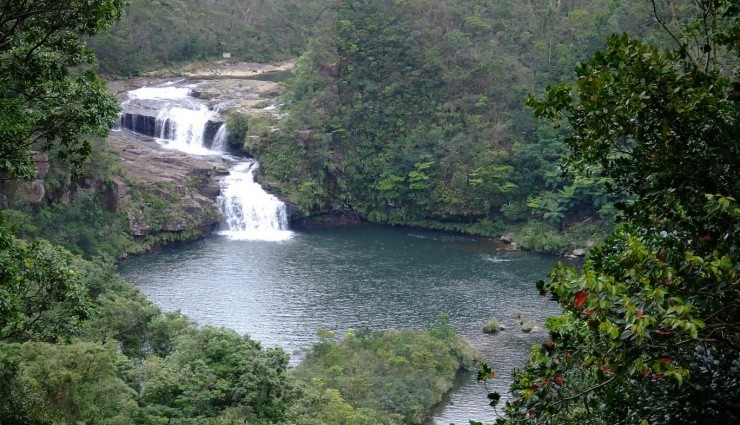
pixel 249 212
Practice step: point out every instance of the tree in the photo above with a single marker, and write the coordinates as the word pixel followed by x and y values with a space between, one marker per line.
pixel 650 331
pixel 48 101
pixel 42 297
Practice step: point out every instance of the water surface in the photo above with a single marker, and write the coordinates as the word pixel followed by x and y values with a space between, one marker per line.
pixel 280 293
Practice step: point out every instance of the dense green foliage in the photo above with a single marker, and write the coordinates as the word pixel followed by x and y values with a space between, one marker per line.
pixel 411 112
pixel 649 332
pixel 47 99
pixel 128 363
pixel 47 104
pixel 391 377
pixel 133 364
pixel 153 34
pixel 42 297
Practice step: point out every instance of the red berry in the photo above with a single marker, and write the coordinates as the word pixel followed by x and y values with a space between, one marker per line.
pixel 559 380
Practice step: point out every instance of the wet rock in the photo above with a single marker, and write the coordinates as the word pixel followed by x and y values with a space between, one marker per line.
pixel 579 253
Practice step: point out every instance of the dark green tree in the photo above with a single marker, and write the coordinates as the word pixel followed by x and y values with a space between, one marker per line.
pixel 651 326
pixel 49 103
pixel 48 100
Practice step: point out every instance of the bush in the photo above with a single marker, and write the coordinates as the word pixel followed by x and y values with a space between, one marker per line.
pixel 492 326
pixel 396 375
pixel 527 326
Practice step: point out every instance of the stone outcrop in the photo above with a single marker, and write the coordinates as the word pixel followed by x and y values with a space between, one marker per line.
pixel 166 194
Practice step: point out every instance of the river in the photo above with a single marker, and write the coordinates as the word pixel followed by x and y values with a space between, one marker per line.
pixel 378 277
pixel 280 286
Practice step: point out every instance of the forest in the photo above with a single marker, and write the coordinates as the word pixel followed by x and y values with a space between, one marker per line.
pixel 558 122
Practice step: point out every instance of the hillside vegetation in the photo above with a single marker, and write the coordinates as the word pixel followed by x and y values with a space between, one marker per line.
pixel 156 34
pixel 412 113
pixel 407 112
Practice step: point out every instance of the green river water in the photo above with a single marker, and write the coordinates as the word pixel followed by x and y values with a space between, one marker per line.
pixel 379 277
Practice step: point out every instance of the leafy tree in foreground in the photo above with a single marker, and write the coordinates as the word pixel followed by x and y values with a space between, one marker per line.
pixel 651 326
pixel 48 103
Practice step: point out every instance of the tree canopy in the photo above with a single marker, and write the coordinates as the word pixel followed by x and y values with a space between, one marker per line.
pixel 48 104
pixel 48 100
pixel 651 326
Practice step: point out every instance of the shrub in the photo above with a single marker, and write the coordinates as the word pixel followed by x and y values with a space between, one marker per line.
pixel 492 326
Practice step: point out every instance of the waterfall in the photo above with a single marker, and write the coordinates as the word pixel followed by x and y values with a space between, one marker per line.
pixel 183 128
pixel 220 139
pixel 180 121
pixel 170 114
pixel 251 213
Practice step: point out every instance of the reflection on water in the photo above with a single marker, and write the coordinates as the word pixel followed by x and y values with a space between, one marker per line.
pixel 347 278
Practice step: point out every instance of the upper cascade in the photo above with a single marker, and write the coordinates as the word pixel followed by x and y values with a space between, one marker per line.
pixel 184 128
pixel 169 113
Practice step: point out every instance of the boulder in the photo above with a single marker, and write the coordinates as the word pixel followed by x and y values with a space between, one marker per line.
pixel 36 191
pixel 304 135
pixel 117 195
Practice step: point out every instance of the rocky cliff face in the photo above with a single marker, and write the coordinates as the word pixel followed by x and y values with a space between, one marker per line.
pixel 167 195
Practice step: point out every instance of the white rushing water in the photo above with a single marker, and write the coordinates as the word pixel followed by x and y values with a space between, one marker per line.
pixel 183 128
pixel 220 139
pixel 165 92
pixel 249 211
